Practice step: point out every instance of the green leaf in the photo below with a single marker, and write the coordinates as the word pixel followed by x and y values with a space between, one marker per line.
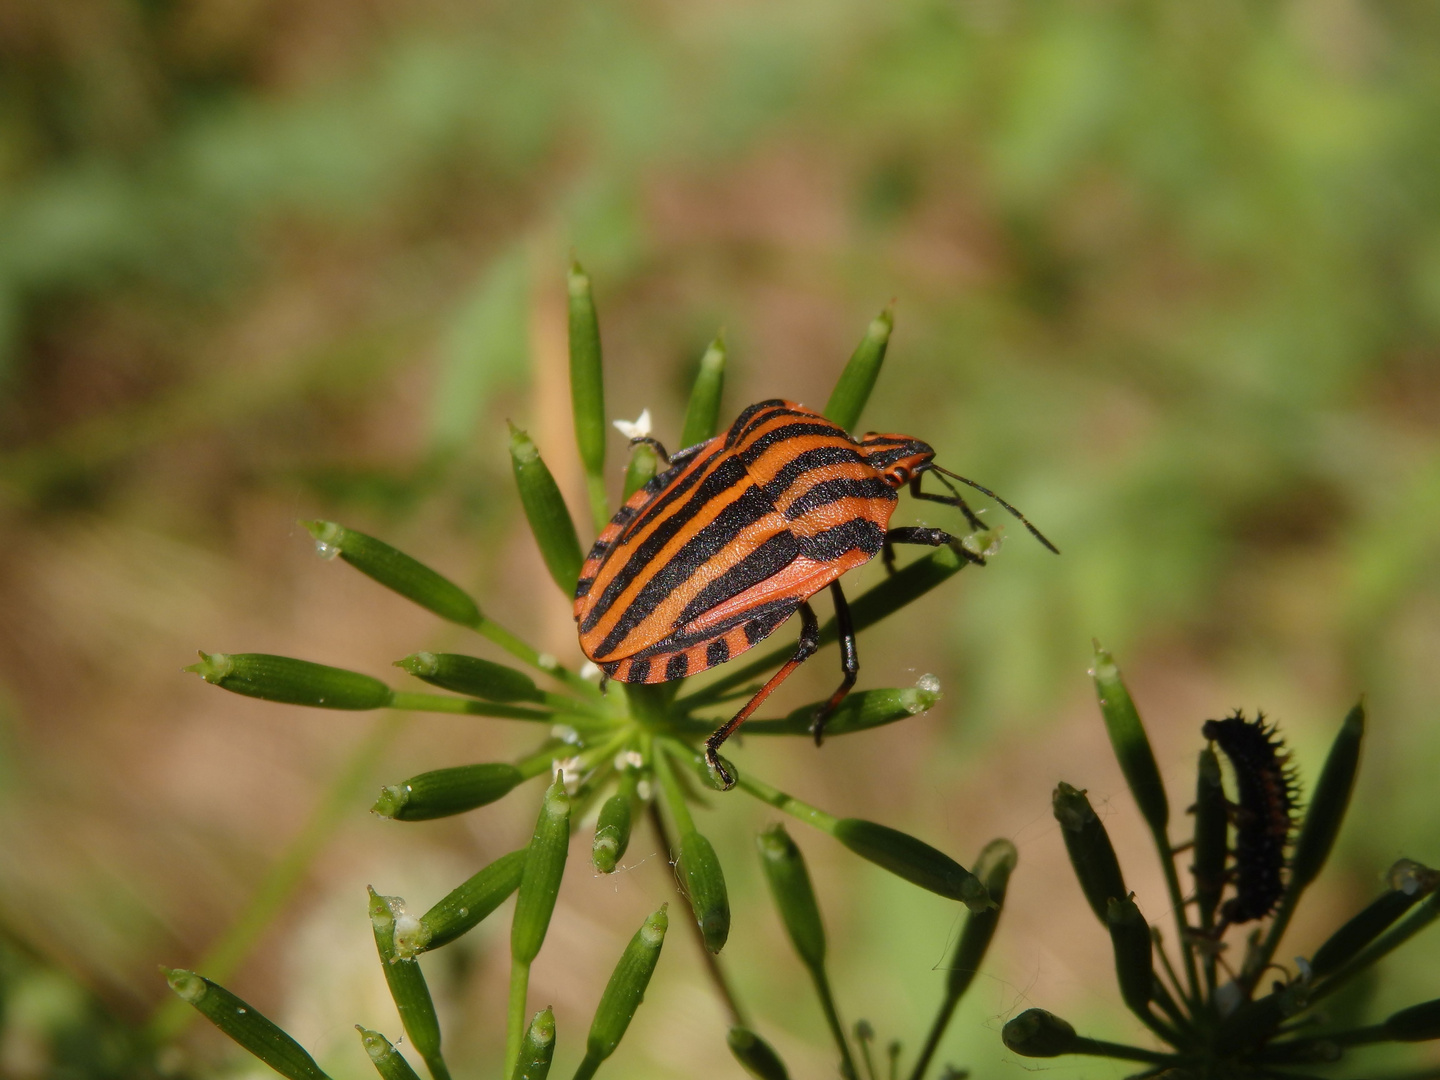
pixel 291 681
pixel 704 883
pixel 443 792
pixel 1329 803
pixel 545 509
pixel 702 414
pixel 540 880
pixel 241 1022
pixel 407 985
pixel 1134 957
pixel 1212 817
pixel 465 906
pixel 536 1048
pixel 643 464
pixel 626 988
pixel 914 860
pixel 848 399
pixel 1091 853
pixel 387 1061
pixel 793 893
pixel 472 676
pixel 396 571
pixel 755 1055
pixel 1131 744
pixel 860 711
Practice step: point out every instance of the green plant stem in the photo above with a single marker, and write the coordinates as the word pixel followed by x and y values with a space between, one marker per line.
pixel 515 1016
pixel 517 648
pixel 788 803
pixel 1182 922
pixel 599 500
pixel 587 1067
pixel 439 703
pixel 670 788
pixel 711 961
pixel 1101 1048
pixel 346 791
pixel 832 1017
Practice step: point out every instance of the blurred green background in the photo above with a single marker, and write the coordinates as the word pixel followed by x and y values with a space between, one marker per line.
pixel 1166 275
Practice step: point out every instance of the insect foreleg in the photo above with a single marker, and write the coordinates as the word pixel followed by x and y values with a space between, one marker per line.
pixel 809 642
pixel 655 445
pixel 955 499
pixel 849 663
pixel 912 534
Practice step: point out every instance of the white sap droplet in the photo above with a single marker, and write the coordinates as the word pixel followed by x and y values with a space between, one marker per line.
pixel 326 551
pixel 546 662
pixel 240 1012
pixel 463 912
pixel 928 683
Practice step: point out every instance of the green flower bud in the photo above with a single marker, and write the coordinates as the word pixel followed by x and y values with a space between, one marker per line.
pixel 755 1055
pixel 914 860
pixel 993 867
pixel 1091 853
pixel 794 895
pixel 705 886
pixel 1415 1024
pixel 536 1048
pixel 861 710
pixel 1037 1033
pixel 612 830
pixel 1212 818
pixel 847 400
pixel 702 414
pixel 464 907
pixel 443 792
pixel 472 676
pixel 387 1061
pixel 396 571
pixel 1134 961
pixel 1329 803
pixel 587 376
pixel 626 988
pixel 644 463
pixel 540 879
pixel 1344 944
pixel 546 511
pixel 243 1024
pixel 294 682
pixel 407 984
pixel 1132 745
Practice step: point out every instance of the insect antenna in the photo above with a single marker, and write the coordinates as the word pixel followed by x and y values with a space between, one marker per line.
pixel 986 491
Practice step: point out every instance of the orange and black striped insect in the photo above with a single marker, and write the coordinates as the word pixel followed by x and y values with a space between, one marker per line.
pixel 736 534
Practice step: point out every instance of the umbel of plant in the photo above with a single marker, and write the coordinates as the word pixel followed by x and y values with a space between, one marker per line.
pixel 1251 860
pixel 613 756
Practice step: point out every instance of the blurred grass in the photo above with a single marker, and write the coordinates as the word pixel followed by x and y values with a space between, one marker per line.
pixel 1167 276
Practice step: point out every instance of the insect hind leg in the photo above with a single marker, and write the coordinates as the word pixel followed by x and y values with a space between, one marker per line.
pixel 849 663
pixel 809 642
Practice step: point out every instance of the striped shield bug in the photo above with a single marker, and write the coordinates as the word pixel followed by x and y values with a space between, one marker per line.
pixel 736 534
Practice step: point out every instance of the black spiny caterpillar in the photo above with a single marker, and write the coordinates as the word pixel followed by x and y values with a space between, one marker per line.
pixel 1264 815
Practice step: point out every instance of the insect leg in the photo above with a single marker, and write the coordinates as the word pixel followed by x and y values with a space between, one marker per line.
pixel 954 500
pixel 809 642
pixel 654 444
pixel 914 534
pixel 849 663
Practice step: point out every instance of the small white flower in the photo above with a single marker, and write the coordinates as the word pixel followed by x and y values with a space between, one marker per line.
pixel 629 759
pixel 565 733
pixel 638 428
pixel 546 662
pixel 589 670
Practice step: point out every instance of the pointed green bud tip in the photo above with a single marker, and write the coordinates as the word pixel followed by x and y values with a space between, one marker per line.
pixel 1037 1033
pixel 914 860
pixel 1092 856
pixel 292 682
pixel 189 986
pixel 755 1055
pixel 445 792
pixel 655 926
pixel 1412 878
pixel 577 280
pixel 328 537
pixel 375 1044
pixel 419 664
pixel 542 1028
pixel 381 917
pixel 1330 801
pixel 1129 741
pixel 212 667
pixel 392 800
